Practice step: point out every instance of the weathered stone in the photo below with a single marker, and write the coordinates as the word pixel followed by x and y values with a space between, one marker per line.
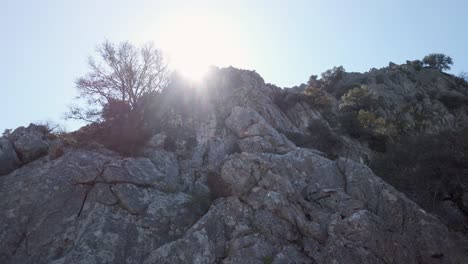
pixel 62 210
pixel 30 142
pixel 274 203
pixel 241 172
pixel 255 134
pixel 8 159
pixel 56 149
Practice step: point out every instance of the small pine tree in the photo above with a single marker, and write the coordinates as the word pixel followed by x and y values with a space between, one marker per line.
pixel 438 61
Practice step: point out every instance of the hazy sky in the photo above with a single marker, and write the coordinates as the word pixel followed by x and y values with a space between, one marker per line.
pixel 45 44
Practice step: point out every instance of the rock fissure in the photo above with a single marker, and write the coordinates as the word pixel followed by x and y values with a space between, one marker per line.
pixel 344 177
pixel 85 197
pixel 275 202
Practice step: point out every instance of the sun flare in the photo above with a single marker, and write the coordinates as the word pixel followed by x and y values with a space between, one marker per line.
pixel 193 43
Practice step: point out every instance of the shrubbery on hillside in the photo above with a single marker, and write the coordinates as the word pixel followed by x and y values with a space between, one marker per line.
pixel 453 101
pixel 417 64
pixel 332 76
pixel 359 119
pixel 438 61
pixel 285 100
pixel 120 90
pixel 428 168
pixel 319 136
pixel 318 98
pixel 121 129
pixel 359 98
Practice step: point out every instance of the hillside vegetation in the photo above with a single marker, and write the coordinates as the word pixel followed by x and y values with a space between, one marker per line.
pixel 346 168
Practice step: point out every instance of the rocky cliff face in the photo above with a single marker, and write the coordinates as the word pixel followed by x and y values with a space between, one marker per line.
pixel 426 100
pixel 232 189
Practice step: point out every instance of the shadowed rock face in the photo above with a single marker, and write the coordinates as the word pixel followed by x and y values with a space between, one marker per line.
pixel 22 146
pixel 275 203
pixel 9 160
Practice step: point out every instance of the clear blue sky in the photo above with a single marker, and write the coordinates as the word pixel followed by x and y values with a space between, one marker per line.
pixel 45 44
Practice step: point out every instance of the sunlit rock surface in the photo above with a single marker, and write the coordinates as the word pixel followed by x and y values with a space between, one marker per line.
pixel 233 189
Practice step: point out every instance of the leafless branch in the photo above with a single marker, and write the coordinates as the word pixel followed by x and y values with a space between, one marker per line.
pixel 123 73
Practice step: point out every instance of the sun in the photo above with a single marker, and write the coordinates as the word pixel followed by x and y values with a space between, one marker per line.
pixel 193 43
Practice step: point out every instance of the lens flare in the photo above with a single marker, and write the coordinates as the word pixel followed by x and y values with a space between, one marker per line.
pixel 193 43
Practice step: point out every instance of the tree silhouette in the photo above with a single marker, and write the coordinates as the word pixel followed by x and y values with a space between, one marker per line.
pixel 438 61
pixel 123 75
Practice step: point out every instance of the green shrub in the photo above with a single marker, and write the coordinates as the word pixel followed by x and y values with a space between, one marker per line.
pixel 438 61
pixel 377 142
pixel 331 77
pixel 453 101
pixel 319 136
pixel 372 122
pixel 349 124
pixel 366 126
pixel 341 90
pixel 313 82
pixel 359 98
pixel 417 65
pixel 429 169
pixel 286 100
pixel 319 99
pixel 333 74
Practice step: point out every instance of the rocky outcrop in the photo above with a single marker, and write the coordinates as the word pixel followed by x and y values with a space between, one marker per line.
pixel 30 142
pixel 255 134
pixel 89 207
pixel 232 87
pixel 303 208
pixel 425 100
pixel 9 161
pixel 222 184
pixel 23 145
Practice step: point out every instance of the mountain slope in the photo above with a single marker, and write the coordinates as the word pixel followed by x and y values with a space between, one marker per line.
pixel 230 188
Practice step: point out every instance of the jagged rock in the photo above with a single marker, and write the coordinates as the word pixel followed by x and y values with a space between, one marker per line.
pixel 8 159
pixel 67 211
pixel 56 149
pixel 241 172
pixel 166 162
pixel 361 220
pixel 415 97
pixel 273 202
pixel 30 142
pixel 218 150
pixel 230 87
pixel 161 174
pixel 255 134
pixel 301 114
pixel 205 241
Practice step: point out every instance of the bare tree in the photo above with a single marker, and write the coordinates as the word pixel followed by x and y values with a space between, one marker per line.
pixel 123 74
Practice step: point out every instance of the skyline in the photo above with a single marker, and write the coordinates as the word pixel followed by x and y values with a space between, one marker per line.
pixel 48 43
